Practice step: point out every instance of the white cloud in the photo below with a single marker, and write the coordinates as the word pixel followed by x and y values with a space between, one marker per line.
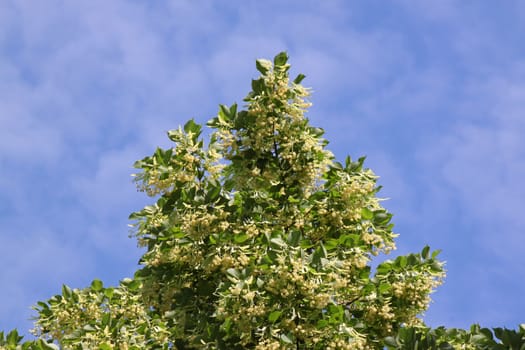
pixel 484 159
pixel 476 168
pixel 36 262
pixel 444 10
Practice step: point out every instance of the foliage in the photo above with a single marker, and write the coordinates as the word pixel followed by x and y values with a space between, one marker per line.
pixel 453 338
pixel 258 239
pixel 12 340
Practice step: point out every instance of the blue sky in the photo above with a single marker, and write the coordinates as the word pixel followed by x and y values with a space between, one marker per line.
pixel 432 92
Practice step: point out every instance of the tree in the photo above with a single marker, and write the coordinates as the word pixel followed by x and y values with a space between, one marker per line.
pixel 258 239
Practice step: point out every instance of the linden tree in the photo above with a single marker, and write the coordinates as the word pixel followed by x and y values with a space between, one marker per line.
pixel 257 239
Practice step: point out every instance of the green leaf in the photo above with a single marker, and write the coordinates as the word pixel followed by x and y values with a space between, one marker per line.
pixel 173 135
pixel 108 292
pixel 224 113
pixel 331 244
pixel 318 132
pixel 436 267
pixel 243 119
pixel 213 193
pixel 402 261
pixel 43 306
pixel 424 252
pixel 263 65
pixel 13 338
pixel 274 316
pixel 159 156
pixel 258 86
pixel 192 127
pixel 89 328
pixel 384 288
pixel 294 238
pixel 286 338
pixel 233 110
pixel 97 285
pixel 479 339
pixel 47 346
pixel 498 332
pixel 240 238
pixel 226 325
pixel 106 319
pixel 381 218
pixel 367 214
pixel 322 323
pixel 390 341
pixel 131 284
pixel 337 166
pixel 413 259
pixel 278 242
pixel 66 291
pixel 485 331
pixel 281 59
pixel 299 79
pixel 105 346
pixel 234 273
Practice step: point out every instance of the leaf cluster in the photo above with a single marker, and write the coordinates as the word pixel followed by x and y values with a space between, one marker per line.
pixel 441 338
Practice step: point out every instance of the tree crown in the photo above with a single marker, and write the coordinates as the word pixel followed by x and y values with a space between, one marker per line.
pixel 258 239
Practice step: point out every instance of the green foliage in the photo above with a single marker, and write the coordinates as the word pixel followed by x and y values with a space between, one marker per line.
pixel 258 239
pixel 441 338
pixel 12 341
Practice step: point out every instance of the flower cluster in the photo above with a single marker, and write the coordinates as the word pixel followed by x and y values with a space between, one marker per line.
pixel 98 317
